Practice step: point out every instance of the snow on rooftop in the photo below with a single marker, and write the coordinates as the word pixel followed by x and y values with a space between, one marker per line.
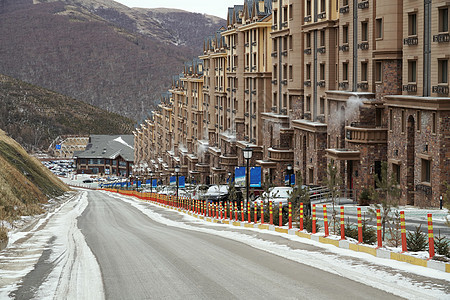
pixel 120 140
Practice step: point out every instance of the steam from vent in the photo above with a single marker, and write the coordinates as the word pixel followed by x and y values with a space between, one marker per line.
pixel 350 112
pixel 202 147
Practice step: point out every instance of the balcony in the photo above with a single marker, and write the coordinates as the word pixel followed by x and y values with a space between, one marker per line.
pixel 322 15
pixel 362 85
pixel 246 114
pixel 366 135
pixel 307 19
pixel 274 27
pixel 344 9
pixel 344 48
pixel 441 38
pixel 363 46
pixel 307 51
pixel 411 41
pixel 363 4
pixel 274 54
pixel 281 154
pixel 307 83
pixel 228 160
pixel 440 89
pixel 321 83
pixel 321 50
pixel 284 53
pixel 274 81
pixel 284 81
pixel 409 88
pixel 343 85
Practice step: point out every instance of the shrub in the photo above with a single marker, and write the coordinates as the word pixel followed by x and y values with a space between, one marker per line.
pixel 3 235
pixel 441 245
pixel 307 224
pixel 369 233
pixel 416 241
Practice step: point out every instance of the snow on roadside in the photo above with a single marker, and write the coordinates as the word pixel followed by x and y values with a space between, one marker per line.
pixel 371 274
pixel 75 274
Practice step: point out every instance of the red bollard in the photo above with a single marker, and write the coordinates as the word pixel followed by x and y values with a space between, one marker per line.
pixel 360 235
pixel 280 214
pixel 325 220
pixel 262 213
pixel 314 218
pixel 379 238
pixel 430 236
pixel 221 210
pixel 242 211
pixel 342 224
pixel 270 213
pixel 290 215
pixel 235 211
pixel 209 209
pixel 301 216
pixel 249 213
pixel 403 231
pixel 255 211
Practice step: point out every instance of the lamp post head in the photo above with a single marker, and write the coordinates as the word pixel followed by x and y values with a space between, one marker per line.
pixel 248 152
pixel 229 174
pixel 177 169
pixel 289 167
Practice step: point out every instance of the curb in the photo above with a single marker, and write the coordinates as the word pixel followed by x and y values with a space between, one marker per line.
pixel 344 244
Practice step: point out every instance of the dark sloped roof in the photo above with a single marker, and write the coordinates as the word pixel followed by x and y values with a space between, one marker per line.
pixel 109 147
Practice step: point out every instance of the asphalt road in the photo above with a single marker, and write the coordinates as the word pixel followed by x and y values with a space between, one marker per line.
pixel 143 259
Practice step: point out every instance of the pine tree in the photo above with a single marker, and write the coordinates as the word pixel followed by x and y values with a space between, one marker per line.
pixel 442 246
pixel 416 241
pixel 333 182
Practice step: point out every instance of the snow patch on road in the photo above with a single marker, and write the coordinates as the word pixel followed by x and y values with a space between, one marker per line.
pixel 75 274
pixel 370 273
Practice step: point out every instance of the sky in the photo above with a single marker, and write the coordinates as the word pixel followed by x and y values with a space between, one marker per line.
pixel 210 7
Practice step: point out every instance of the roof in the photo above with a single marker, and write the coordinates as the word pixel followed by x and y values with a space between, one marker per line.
pixel 109 147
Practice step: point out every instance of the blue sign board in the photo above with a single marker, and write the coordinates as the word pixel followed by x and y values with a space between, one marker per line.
pixel 154 182
pixel 239 176
pixel 293 179
pixel 255 177
pixel 181 182
pixel 286 179
pixel 58 147
pixel 173 180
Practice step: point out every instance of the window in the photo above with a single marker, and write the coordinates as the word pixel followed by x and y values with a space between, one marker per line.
pixel 345 71
pixel 412 71
pixel 426 170
pixel 323 6
pixel 291 75
pixel 291 12
pixel 434 125
pixel 396 172
pixel 403 121
pixel 345 34
pixel 308 7
pixel 412 24
pixel 379 28
pixel 364 31
pixel 308 103
pixel 378 71
pixel 364 71
pixel 284 71
pixel 322 106
pixel 322 38
pixel 275 73
pixel 443 19
pixel 419 120
pixel 291 43
pixel 322 71
pixel 391 119
pixel 443 71
pixel 308 40
pixel 308 72
pixel 345 2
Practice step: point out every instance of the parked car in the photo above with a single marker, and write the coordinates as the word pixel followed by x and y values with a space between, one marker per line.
pixel 88 181
pixel 219 193
pixel 276 195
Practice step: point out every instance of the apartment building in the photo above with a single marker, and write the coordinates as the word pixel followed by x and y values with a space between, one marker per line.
pixel 309 83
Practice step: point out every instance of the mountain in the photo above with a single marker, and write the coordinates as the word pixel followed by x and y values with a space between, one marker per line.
pixel 25 184
pixel 99 51
pixel 35 116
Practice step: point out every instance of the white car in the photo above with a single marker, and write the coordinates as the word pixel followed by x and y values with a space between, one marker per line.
pixel 276 195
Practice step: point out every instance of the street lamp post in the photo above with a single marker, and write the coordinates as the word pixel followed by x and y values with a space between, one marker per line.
pixel 247 155
pixel 151 182
pixel 229 177
pixel 177 170
pixel 289 171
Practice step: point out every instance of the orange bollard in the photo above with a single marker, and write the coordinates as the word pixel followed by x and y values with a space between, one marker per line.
pixel 221 210
pixel 325 220
pixel 430 236
pixel 226 210
pixel 249 213
pixel 290 215
pixel 379 239
pixel 235 211
pixel 342 224
pixel 242 211
pixel 262 213
pixel 360 235
pixel 255 211
pixel 301 216
pixel 209 209
pixel 314 218
pixel 270 213
pixel 280 214
pixel 403 231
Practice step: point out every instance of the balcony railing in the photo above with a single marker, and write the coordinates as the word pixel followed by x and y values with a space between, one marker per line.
pixel 344 9
pixel 366 135
pixel 307 83
pixel 363 46
pixel 307 19
pixel 343 85
pixel 363 4
pixel 441 38
pixel 307 51
pixel 411 41
pixel 362 85
pixel 440 89
pixel 344 48
pixel 321 50
pixel 281 154
pixel 322 15
pixel 321 83
pixel 274 54
pixel 409 88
